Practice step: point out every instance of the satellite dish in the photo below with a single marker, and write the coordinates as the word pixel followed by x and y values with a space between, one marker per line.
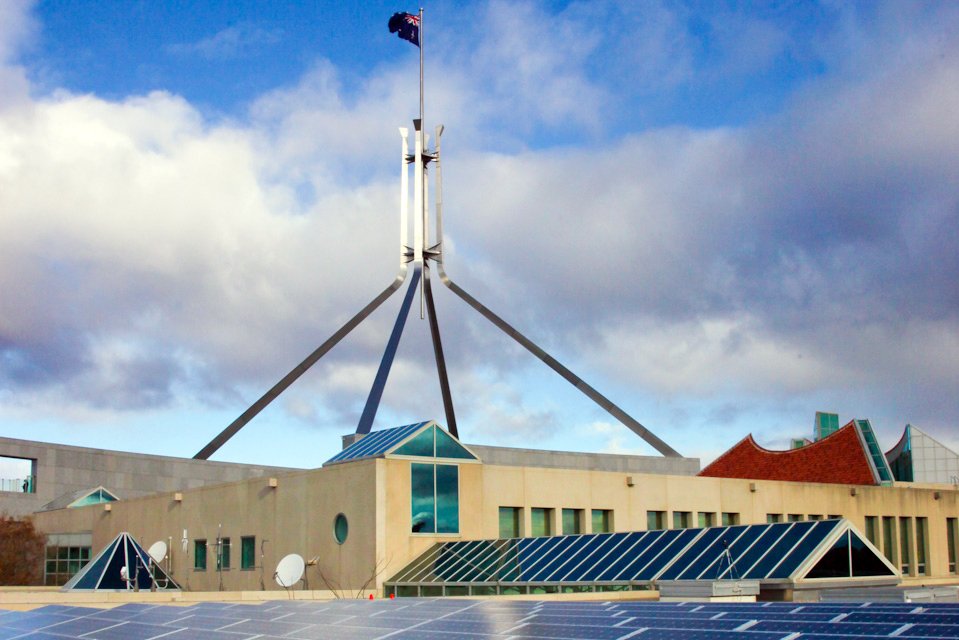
pixel 289 570
pixel 124 574
pixel 157 551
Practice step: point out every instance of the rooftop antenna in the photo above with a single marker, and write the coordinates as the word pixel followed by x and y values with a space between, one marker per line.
pixel 410 27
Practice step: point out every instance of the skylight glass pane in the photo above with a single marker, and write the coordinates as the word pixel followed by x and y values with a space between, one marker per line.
pixel 687 558
pixel 420 445
pixel 715 554
pixel 659 563
pixel 805 547
pixel 778 550
pixel 447 447
pixel 620 546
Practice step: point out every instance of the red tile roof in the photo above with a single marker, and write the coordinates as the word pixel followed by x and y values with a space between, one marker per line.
pixel 840 458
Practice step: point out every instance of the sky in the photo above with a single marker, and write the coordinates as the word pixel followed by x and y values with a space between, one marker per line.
pixel 724 216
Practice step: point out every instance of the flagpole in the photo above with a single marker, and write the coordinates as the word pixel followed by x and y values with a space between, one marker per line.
pixel 421 68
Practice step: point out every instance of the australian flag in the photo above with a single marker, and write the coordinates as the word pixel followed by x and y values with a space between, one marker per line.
pixel 406 26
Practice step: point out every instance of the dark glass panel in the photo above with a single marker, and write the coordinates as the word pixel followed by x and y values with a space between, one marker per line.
pixel 532 560
pixel 561 558
pixel 422 502
pixel 447 447
pixel 808 544
pixel 657 564
pixel 585 556
pixel 835 562
pixel 716 554
pixel 420 445
pixel 779 549
pixel 447 498
pixel 626 555
pixel 864 561
pixel 619 545
pixel 683 561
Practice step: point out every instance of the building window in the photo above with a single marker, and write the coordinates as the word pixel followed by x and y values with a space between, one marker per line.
pixel 835 516
pixel 905 545
pixel 435 505
pixel 541 521
pixel 773 517
pixel 199 555
pixel 223 555
pixel 872 530
pixel 573 521
pixel 655 520
pixel 794 517
pixel 706 519
pixel 248 552
pixel 815 516
pixel 951 535
pixel 66 554
pixel 889 538
pixel 730 519
pixel 682 519
pixel 602 521
pixel 922 544
pixel 510 522
pixel 341 528
pixel 18 475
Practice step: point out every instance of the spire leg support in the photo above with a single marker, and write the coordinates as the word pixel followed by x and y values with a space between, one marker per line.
pixel 556 366
pixel 386 363
pixel 440 359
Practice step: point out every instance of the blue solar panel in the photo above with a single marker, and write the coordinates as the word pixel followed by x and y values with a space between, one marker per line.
pixel 376 443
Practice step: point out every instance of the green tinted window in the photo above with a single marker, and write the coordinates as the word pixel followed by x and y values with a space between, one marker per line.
pixel 601 521
pixel 655 520
pixel 247 552
pixel 223 560
pixel 572 521
pixel 341 528
pixel 447 499
pixel 199 555
pixel 420 445
pixel 540 521
pixel 423 498
pixel 509 522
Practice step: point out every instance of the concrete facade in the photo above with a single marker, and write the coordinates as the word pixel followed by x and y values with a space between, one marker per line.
pixel 61 469
pixel 297 516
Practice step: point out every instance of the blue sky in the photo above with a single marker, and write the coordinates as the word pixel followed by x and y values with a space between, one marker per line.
pixel 724 216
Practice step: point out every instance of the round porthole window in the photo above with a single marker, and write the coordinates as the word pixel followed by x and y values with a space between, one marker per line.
pixel 341 528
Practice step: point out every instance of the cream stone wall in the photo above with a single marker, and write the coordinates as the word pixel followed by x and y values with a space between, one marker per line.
pixel 485 488
pixel 297 515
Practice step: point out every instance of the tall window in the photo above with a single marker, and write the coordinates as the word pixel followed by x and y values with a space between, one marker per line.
pixel 905 545
pixel 951 535
pixel 889 538
pixel 682 519
pixel 199 555
pixel 572 521
pixel 706 519
pixel 541 521
pixel 510 522
pixel 248 552
pixel 921 545
pixel 730 519
pixel 67 553
pixel 872 530
pixel 435 502
pixel 655 520
pixel 223 555
pixel 602 520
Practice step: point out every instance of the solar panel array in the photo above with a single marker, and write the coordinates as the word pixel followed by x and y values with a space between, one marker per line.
pixel 463 619
pixel 376 443
pixel 741 552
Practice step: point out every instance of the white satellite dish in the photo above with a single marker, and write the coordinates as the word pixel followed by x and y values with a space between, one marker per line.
pixel 289 570
pixel 157 551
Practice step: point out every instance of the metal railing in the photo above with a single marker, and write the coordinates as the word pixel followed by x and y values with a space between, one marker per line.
pixel 19 485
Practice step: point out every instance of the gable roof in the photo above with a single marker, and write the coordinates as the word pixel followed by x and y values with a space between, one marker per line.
pixel 81 498
pixel 421 439
pixel 103 572
pixel 840 458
